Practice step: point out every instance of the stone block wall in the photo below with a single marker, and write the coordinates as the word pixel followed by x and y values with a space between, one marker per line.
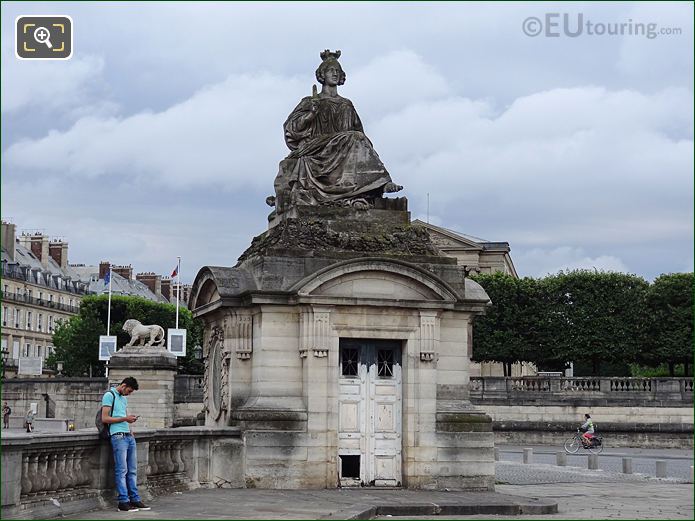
pixel 291 414
pixel 662 427
pixel 575 414
pixel 77 399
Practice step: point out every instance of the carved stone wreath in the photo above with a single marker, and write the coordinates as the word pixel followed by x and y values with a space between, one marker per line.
pixel 212 393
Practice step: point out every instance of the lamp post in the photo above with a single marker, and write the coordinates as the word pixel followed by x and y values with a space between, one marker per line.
pixel 59 367
pixel 198 352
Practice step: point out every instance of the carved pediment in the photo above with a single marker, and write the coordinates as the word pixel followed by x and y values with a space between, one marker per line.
pixel 374 278
pixel 374 284
pixel 442 241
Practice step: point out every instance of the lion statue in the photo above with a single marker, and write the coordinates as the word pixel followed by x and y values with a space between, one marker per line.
pixel 154 334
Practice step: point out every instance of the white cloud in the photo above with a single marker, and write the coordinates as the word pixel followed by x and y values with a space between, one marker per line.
pixel 539 262
pixel 225 134
pixel 665 55
pixel 583 143
pixel 582 164
pixel 48 85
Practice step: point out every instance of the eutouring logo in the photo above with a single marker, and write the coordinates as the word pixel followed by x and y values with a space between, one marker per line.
pixel 557 25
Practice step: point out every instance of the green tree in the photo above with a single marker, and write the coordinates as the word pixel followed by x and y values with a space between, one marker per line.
pixel 517 326
pixel 598 316
pixel 668 320
pixel 76 341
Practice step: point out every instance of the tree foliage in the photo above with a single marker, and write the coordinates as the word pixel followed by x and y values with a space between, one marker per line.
pixel 76 341
pixel 589 317
pixel 669 322
pixel 600 315
pixel 517 326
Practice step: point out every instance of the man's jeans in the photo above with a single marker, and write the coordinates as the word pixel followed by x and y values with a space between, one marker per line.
pixel 126 467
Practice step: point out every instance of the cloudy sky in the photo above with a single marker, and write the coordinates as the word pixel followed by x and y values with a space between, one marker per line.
pixel 162 135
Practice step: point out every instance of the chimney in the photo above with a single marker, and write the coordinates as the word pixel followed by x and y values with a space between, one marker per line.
pixel 103 269
pixel 166 288
pixel 9 237
pixel 124 271
pixel 58 250
pixel 152 281
pixel 183 296
pixel 39 247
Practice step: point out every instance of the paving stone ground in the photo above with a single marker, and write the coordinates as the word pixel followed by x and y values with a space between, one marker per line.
pixel 617 500
pixel 323 504
pixel 579 493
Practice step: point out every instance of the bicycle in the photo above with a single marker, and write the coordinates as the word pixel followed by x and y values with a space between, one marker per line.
pixel 573 444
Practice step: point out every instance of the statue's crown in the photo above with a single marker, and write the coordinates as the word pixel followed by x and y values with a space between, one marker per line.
pixel 325 55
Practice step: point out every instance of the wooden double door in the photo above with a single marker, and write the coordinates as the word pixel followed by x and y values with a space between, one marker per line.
pixel 370 419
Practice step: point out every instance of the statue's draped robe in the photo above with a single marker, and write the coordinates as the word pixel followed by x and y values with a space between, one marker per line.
pixel 331 158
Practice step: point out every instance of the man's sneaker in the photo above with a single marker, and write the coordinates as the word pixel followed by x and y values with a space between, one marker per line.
pixel 127 507
pixel 139 505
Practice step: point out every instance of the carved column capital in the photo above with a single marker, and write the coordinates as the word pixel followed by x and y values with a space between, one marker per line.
pixel 244 336
pixel 429 335
pixel 314 332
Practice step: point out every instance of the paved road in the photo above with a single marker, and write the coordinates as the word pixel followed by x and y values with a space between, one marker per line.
pixel 678 463
pixel 643 500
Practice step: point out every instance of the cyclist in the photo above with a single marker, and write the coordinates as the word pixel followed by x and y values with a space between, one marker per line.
pixel 588 428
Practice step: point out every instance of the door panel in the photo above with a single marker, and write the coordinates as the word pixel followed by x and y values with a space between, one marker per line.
pixel 370 411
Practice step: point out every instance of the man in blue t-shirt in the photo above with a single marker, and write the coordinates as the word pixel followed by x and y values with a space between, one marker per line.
pixel 114 413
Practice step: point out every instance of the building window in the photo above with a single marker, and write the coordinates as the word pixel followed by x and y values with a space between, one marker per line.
pixel 50 323
pixel 39 321
pixel 38 351
pixel 17 317
pixel 4 315
pixel 27 349
pixel 384 362
pixel 350 361
pixel 50 298
pixel 41 296
pixel 29 320
pixel 29 293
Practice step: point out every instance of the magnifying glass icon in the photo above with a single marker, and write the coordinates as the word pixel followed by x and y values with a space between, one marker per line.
pixel 43 35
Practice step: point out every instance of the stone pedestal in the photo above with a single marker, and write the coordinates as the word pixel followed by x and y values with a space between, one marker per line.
pixel 326 285
pixel 154 369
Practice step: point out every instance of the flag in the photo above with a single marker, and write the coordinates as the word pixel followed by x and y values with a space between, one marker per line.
pixel 175 272
pixel 107 277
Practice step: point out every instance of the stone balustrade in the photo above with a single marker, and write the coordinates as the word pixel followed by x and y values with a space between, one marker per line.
pixel 52 474
pixel 582 391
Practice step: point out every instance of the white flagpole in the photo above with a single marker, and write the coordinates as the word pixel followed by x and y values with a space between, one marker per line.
pixel 178 290
pixel 108 317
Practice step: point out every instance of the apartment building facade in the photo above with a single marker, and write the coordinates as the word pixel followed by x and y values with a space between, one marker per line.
pixel 39 290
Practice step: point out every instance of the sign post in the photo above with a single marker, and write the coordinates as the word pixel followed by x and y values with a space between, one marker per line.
pixel 176 341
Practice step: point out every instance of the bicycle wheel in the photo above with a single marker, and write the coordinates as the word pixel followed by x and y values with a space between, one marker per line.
pixel 572 445
pixel 596 449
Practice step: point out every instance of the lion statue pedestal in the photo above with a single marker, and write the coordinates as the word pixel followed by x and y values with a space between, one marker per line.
pixel 155 369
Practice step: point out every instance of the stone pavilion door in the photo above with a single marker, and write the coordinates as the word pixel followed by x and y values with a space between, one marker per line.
pixel 369 424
